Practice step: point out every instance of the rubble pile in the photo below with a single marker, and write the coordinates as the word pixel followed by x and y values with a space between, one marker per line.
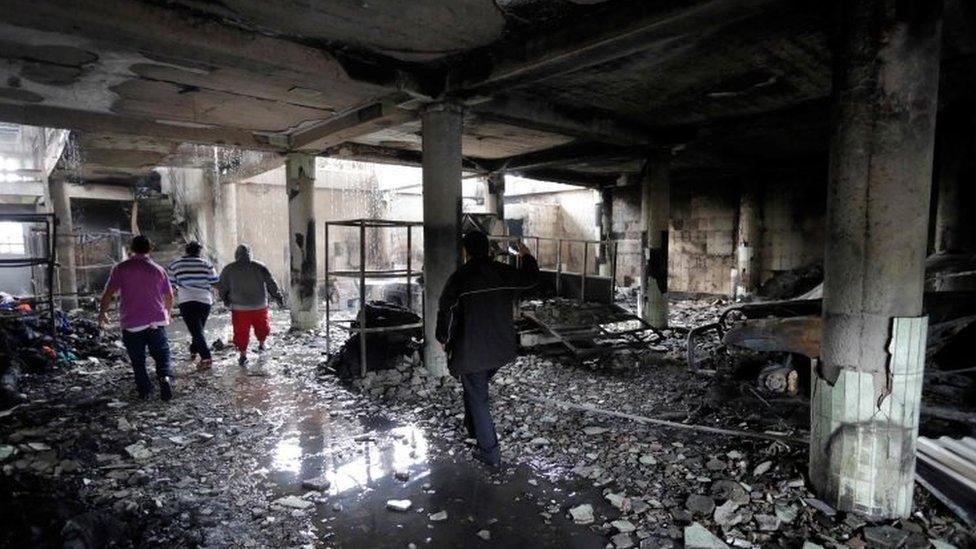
pixel 85 463
pixel 84 460
pixel 26 345
pixel 666 485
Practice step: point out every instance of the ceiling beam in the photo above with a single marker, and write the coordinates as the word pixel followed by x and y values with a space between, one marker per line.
pixel 387 155
pixel 622 33
pixel 95 122
pixel 546 117
pixel 351 124
pixel 572 153
pixel 567 177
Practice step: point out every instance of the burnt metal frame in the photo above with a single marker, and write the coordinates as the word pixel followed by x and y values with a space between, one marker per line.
pixel 50 222
pixel 608 243
pixel 362 274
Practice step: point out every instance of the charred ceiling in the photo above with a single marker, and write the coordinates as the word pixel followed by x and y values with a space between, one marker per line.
pixel 722 84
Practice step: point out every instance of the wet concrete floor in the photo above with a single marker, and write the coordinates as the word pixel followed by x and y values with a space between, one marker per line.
pixel 360 455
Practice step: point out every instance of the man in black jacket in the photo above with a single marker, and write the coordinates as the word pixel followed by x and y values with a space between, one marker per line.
pixel 475 325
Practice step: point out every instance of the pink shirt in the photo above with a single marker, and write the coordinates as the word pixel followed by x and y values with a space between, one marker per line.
pixel 143 286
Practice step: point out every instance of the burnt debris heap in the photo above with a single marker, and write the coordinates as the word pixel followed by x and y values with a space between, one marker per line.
pixel 757 277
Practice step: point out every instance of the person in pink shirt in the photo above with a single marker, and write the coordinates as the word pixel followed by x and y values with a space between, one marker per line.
pixel 145 299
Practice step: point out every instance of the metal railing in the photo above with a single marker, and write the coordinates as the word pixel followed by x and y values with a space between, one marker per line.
pixel 608 244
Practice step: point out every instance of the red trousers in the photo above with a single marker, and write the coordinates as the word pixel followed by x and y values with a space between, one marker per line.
pixel 243 321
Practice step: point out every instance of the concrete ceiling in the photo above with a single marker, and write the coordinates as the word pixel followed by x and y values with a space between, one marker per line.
pixel 579 90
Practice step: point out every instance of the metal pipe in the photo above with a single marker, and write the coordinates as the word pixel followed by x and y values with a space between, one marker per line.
pixel 409 268
pixel 559 266
pixel 586 257
pixel 362 298
pixel 328 296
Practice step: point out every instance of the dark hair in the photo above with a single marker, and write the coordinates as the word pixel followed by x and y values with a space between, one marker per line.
pixel 193 248
pixel 140 245
pixel 475 243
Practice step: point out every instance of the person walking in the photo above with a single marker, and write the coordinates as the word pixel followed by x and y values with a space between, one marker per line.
pixel 194 277
pixel 476 328
pixel 244 286
pixel 145 299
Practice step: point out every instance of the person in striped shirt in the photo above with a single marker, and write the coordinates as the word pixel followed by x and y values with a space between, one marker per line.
pixel 193 277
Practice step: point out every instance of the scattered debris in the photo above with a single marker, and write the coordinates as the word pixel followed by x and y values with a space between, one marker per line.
pixel 401 505
pixel 582 514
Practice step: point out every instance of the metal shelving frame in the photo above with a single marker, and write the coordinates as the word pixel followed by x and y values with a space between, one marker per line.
pixel 609 244
pixel 49 262
pixel 362 274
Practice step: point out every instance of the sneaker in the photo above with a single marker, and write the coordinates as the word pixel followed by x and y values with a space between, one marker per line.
pixel 242 360
pixel 205 365
pixel 261 347
pixel 165 389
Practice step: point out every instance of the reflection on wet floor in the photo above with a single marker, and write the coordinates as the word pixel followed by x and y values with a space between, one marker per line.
pixel 369 459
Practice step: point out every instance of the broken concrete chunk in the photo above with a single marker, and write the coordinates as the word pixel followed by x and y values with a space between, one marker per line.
pixel 6 451
pixel 594 430
pixel 623 526
pixel 484 534
pixel 138 451
pixel 619 501
pixel 439 516
pixel 318 484
pixel 697 537
pixel 539 441
pixel 730 490
pixel 820 506
pixel 401 505
pixel 622 541
pixel 762 468
pixel 767 523
pixel 123 425
pixel 648 459
pixel 885 536
pixel 811 545
pixel 936 544
pixel 293 502
pixel 700 505
pixel 726 514
pixel 582 514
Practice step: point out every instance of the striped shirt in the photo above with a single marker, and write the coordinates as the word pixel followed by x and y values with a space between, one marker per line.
pixel 193 277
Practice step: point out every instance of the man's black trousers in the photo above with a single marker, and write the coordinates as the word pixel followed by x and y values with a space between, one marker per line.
pixel 477 414
pixel 195 315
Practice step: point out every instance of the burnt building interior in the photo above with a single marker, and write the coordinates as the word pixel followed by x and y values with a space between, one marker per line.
pixel 752 325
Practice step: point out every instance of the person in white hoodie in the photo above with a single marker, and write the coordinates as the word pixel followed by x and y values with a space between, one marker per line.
pixel 244 286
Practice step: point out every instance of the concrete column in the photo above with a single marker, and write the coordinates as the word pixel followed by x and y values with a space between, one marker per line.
pixel 605 228
pixel 442 217
pixel 955 149
pixel 748 247
pixel 495 199
pixel 303 267
pixel 225 221
pixel 67 276
pixel 655 217
pixel 867 390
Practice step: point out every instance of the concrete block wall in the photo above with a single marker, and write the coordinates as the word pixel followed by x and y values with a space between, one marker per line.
pixel 794 210
pixel 701 253
pixel 627 225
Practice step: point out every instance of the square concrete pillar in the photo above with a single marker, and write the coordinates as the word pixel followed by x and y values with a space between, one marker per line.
pixel 655 221
pixel 442 124
pixel 65 245
pixel 867 389
pixel 748 249
pixel 303 266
